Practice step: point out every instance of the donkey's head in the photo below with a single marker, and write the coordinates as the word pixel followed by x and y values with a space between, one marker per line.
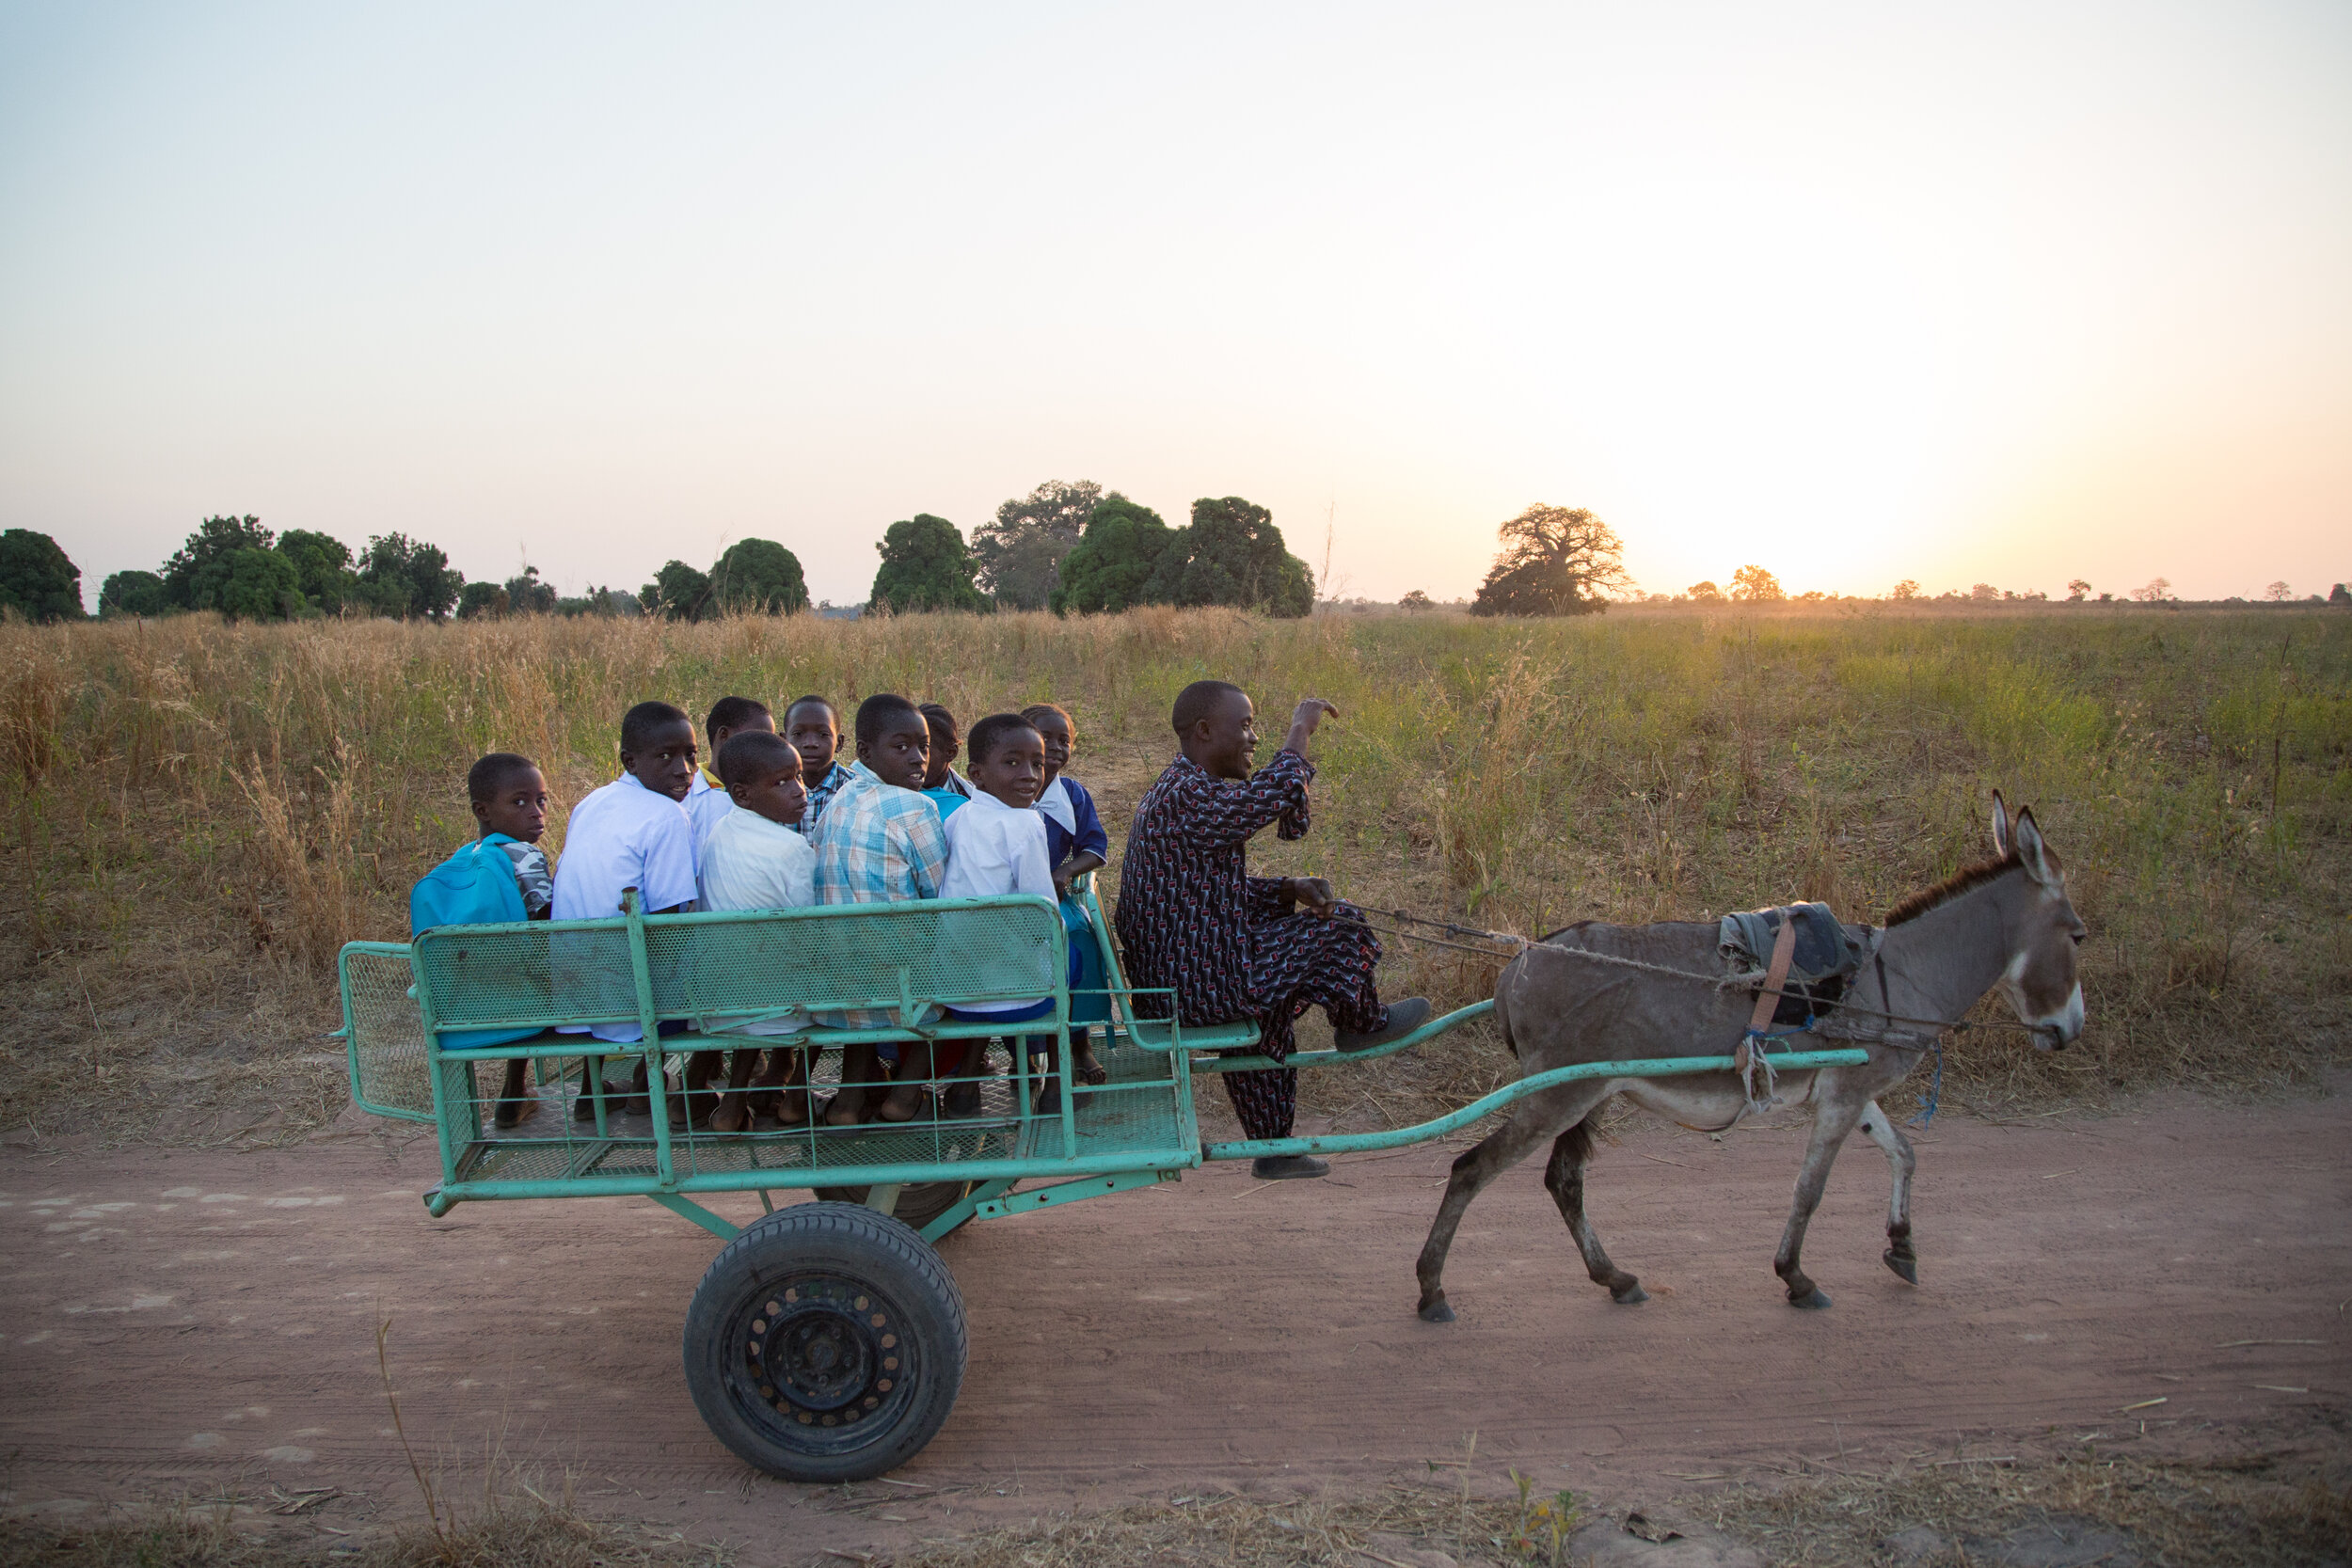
pixel 2041 983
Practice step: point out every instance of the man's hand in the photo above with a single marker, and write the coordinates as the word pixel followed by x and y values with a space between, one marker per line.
pixel 1304 718
pixel 1315 893
pixel 1061 874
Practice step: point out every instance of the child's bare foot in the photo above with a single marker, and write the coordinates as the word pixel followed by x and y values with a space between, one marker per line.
pixel 904 1102
pixel 513 1113
pixel 792 1107
pixel 963 1097
pixel 847 1108
pixel 734 1115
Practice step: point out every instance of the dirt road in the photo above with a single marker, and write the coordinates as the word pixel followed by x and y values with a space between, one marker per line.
pixel 196 1322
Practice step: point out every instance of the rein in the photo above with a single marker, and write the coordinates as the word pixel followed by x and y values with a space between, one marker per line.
pixel 1720 982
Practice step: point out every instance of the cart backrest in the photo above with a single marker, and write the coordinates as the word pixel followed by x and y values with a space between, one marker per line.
pixel 833 957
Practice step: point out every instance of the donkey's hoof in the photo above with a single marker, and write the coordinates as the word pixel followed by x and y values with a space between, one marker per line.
pixel 1628 1295
pixel 1435 1310
pixel 1812 1301
pixel 1906 1268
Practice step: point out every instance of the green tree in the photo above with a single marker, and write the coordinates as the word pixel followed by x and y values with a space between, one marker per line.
pixel 759 575
pixel 525 595
pixel 36 579
pixel 133 593
pixel 1707 592
pixel 678 592
pixel 408 578
pixel 925 565
pixel 198 570
pixel 1232 554
pixel 1754 585
pixel 323 565
pixel 1112 565
pixel 1554 561
pixel 482 598
pixel 1019 553
pixel 601 601
pixel 256 585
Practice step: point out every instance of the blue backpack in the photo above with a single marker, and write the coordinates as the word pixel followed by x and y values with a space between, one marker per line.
pixel 473 887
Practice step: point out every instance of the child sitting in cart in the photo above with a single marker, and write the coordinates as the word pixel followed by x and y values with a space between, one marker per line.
pixel 633 833
pixel 1076 844
pixel 502 876
pixel 812 728
pixel 756 859
pixel 706 797
pixel 996 845
pixel 878 841
pixel 942 785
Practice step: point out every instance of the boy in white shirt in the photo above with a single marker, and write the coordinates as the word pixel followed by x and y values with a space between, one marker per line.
pixel 756 859
pixel 632 833
pixel 706 797
pixel 996 845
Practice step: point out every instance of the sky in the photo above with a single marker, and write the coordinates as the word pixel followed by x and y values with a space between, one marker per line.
pixel 1995 293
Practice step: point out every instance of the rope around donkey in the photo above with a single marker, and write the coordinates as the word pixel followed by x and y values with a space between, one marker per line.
pixel 1718 982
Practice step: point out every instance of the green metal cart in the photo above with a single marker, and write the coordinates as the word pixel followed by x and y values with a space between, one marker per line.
pixel 826 1342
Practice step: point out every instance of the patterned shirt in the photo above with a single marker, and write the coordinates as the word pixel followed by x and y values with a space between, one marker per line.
pixel 877 842
pixel 819 795
pixel 531 876
pixel 1185 897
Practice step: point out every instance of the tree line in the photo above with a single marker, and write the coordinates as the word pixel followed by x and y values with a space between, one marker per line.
pixel 1063 547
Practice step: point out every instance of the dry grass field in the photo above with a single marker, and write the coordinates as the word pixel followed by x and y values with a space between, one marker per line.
pixel 196 814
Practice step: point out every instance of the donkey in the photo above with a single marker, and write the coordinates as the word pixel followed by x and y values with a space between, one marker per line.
pixel 2005 923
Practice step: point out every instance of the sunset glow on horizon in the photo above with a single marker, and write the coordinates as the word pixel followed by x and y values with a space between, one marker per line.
pixel 2011 294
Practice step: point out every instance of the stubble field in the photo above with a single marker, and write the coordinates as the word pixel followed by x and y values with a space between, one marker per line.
pixel 199 815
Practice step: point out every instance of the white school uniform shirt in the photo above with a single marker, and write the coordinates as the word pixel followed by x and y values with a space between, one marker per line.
pixel 622 836
pixel 707 804
pixel 752 863
pixel 995 848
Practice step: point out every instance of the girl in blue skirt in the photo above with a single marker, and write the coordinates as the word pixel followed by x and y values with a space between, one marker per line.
pixel 1076 844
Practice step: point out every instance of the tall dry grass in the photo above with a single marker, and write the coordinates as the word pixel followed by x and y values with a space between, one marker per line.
pixel 199 815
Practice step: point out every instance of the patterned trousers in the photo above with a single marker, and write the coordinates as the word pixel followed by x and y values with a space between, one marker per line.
pixel 1296 962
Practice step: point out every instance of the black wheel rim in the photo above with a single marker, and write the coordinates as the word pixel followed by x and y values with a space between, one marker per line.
pixel 820 1363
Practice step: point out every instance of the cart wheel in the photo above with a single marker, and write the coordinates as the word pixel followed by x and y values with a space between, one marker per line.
pixel 918 1204
pixel 825 1343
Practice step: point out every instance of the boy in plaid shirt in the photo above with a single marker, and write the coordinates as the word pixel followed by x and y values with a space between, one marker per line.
pixel 880 840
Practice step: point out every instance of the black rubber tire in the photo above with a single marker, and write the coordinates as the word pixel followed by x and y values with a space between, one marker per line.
pixel 825 1343
pixel 918 1205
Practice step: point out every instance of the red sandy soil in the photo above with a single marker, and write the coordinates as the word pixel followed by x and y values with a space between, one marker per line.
pixel 189 1323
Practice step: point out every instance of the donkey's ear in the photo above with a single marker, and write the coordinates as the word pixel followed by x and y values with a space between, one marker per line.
pixel 2000 825
pixel 2031 852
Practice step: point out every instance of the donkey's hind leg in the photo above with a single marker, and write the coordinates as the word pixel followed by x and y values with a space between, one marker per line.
pixel 1534 1120
pixel 1897 1255
pixel 1570 1152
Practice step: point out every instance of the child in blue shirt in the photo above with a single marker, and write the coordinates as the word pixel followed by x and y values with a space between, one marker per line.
pixel 510 808
pixel 1076 844
pixel 942 785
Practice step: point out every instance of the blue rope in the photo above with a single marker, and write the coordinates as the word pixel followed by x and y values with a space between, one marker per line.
pixel 1927 1112
pixel 1805 1028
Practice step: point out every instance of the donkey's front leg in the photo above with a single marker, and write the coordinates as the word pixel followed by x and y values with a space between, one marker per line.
pixel 1831 1121
pixel 1897 1255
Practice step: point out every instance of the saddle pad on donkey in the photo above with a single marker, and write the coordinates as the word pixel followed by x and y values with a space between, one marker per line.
pixel 1826 953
